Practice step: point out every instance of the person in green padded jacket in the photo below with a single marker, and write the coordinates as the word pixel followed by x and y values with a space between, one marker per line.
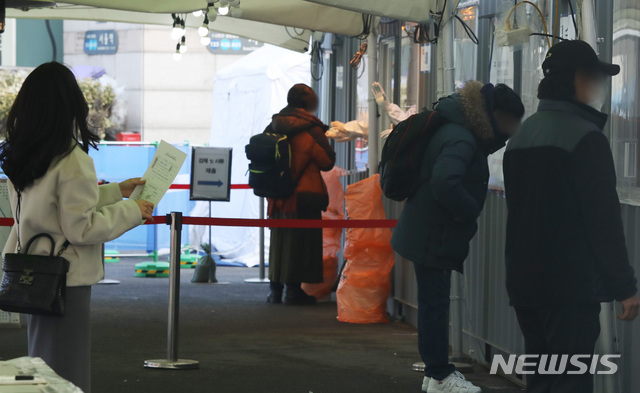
pixel 438 222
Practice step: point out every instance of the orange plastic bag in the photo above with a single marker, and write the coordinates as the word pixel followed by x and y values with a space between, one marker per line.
pixel 365 283
pixel 331 236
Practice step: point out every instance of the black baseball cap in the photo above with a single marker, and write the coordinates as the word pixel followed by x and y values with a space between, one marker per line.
pixel 575 54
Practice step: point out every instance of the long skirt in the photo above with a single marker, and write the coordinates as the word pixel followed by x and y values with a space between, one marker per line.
pixel 295 254
pixel 64 343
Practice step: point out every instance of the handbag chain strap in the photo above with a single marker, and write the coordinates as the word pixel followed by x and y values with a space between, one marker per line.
pixel 18 209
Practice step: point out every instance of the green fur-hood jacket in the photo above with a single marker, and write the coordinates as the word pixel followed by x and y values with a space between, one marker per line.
pixel 438 222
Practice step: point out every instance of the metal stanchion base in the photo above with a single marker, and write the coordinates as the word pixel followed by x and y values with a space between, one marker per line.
pixel 460 366
pixel 180 364
pixel 108 282
pixel 257 280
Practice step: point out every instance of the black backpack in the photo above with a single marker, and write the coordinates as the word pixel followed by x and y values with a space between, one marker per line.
pixel 403 152
pixel 270 166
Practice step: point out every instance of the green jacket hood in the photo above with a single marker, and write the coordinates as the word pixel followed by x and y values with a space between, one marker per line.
pixel 467 108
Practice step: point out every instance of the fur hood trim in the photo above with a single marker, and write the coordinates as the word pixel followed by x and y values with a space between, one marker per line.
pixel 475 112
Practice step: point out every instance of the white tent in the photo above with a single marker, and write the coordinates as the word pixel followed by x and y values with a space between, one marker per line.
pixel 245 96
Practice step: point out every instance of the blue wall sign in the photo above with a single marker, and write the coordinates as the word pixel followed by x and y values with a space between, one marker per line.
pixel 227 44
pixel 101 42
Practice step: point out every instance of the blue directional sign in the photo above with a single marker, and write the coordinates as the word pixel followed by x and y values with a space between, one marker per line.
pixel 227 44
pixel 210 174
pixel 101 42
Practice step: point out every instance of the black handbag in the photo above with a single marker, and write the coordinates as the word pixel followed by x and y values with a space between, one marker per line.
pixel 34 284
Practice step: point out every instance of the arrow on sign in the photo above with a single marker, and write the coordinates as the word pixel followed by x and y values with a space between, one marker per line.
pixel 217 183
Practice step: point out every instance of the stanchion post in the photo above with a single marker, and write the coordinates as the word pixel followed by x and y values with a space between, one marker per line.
pixel 106 281
pixel 606 346
pixel 262 278
pixel 457 322
pixel 262 261
pixel 456 317
pixel 173 362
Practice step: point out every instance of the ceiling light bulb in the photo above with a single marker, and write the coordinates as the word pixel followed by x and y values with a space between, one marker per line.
pixel 204 29
pixel 177 56
pixel 197 13
pixel 183 45
pixel 176 30
pixel 205 40
pixel 223 10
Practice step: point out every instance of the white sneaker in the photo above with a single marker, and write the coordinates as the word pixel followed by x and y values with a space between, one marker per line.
pixel 454 383
pixel 425 384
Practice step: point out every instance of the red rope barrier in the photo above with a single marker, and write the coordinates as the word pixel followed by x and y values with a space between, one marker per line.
pixel 187 186
pixel 257 223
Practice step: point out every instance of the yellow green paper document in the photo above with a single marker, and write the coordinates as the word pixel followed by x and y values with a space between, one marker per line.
pixel 164 168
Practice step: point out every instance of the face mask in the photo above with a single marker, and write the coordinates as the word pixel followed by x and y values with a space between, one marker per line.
pixel 598 96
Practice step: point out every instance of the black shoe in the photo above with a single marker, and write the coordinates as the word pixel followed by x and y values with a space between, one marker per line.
pixel 299 297
pixel 274 297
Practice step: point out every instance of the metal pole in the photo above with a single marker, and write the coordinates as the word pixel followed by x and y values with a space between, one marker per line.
pixel 606 346
pixel 456 316
pixel 172 362
pixel 210 244
pixel 262 261
pixel 447 42
pixel 104 280
pixel 174 287
pixel 262 278
pixel 374 130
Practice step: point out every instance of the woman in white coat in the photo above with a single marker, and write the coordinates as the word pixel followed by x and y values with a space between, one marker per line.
pixel 53 181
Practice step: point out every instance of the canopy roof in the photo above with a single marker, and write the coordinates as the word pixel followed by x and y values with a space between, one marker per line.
pixel 297 14
pixel 264 32
pixel 407 10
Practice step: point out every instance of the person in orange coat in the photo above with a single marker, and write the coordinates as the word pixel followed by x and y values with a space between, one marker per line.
pixel 296 254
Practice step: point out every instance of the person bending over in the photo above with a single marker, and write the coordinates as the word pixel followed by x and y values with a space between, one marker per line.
pixel 438 222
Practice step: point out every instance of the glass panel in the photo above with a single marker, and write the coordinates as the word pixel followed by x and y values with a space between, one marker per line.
pixel 466 51
pixel 409 73
pixel 533 55
pixel 625 96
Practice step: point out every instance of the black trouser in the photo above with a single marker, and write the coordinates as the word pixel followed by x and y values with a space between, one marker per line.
pixel 567 330
pixel 279 287
pixel 434 287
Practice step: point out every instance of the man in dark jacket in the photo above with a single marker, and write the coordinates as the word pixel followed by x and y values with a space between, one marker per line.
pixel 565 249
pixel 438 222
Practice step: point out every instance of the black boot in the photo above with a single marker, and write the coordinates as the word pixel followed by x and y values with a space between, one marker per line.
pixel 275 296
pixel 295 296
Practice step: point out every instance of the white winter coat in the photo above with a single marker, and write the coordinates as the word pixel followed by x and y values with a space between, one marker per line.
pixel 67 203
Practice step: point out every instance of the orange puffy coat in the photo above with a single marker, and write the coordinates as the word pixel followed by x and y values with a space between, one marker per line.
pixel 311 153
